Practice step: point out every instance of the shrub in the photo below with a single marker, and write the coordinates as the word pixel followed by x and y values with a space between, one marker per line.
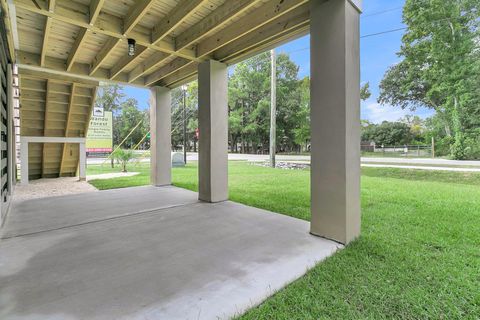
pixel 123 156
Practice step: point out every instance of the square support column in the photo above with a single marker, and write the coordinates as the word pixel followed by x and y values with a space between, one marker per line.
pixel 160 136
pixel 24 162
pixel 213 131
pixel 335 119
pixel 82 163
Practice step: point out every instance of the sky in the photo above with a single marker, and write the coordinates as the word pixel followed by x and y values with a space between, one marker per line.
pixel 377 53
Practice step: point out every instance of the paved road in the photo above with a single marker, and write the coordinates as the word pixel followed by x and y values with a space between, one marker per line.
pixel 391 162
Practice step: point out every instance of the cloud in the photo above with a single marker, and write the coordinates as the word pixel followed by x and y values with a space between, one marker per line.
pixel 376 113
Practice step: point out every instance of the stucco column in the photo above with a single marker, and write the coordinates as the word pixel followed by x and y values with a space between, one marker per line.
pixel 82 163
pixel 160 136
pixel 335 119
pixel 213 131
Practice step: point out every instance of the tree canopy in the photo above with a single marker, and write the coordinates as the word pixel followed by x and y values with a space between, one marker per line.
pixel 440 68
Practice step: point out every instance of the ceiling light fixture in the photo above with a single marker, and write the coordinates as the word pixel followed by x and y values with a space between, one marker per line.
pixel 131 47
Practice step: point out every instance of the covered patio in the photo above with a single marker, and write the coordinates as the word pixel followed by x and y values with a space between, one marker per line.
pixel 161 252
pixel 158 253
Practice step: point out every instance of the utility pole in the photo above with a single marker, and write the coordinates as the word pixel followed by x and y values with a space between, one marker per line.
pixel 433 147
pixel 273 108
pixel 184 91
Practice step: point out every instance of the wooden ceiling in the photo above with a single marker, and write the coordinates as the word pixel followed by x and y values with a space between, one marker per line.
pixel 88 38
pixel 54 108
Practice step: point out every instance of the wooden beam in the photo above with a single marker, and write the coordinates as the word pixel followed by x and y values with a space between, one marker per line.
pixel 45 120
pixel 173 66
pixel 70 105
pixel 67 126
pixel 51 5
pixel 126 61
pixel 247 24
pixel 95 7
pixel 295 22
pixel 89 115
pixel 182 11
pixel 141 7
pixel 82 35
pixel 106 25
pixel 213 22
pixel 46 34
pixel 208 25
pixel 265 14
pixel 111 44
pixel 150 64
pixel 273 32
pixel 179 75
pixel 44 74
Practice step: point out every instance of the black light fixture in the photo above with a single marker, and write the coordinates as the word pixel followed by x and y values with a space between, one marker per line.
pixel 131 47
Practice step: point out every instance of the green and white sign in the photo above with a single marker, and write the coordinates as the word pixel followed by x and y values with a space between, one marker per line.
pixel 100 133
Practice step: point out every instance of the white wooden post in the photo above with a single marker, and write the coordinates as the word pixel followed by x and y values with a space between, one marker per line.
pixel 82 169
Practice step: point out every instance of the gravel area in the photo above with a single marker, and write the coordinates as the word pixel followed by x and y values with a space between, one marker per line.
pixel 51 187
pixel 284 165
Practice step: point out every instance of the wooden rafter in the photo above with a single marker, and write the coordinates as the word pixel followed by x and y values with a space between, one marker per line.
pixel 94 11
pixel 135 15
pixel 234 29
pixel 67 128
pixel 129 23
pixel 108 28
pixel 45 121
pixel 183 10
pixel 126 61
pixel 94 96
pixel 213 22
pixel 82 35
pixel 51 5
pixel 95 7
pixel 147 66
pixel 294 22
pixel 167 70
pixel 267 13
pixel 180 75
pixel 111 44
pixel 46 34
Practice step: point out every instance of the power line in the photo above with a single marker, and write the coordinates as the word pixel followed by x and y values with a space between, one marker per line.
pixel 382 32
pixel 364 36
pixel 377 13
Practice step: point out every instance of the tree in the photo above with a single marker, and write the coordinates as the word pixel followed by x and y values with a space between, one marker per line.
pixel 440 67
pixel 123 156
pixel 249 104
pixel 387 133
pixel 127 120
pixel 365 91
pixel 109 97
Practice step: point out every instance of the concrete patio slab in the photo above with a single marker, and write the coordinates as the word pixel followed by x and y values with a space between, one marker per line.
pixel 38 215
pixel 191 261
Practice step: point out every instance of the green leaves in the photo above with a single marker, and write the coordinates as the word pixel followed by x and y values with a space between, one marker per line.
pixel 441 65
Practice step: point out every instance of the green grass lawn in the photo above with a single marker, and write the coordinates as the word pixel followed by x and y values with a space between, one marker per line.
pixel 418 256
